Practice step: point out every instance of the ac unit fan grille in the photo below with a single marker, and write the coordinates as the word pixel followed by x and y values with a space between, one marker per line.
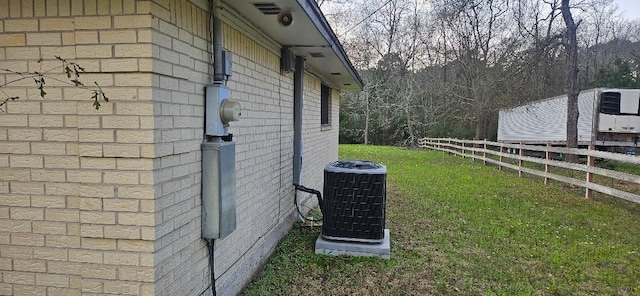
pixel 354 206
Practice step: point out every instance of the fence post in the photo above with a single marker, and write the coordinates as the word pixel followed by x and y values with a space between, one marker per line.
pixel 591 161
pixel 547 167
pixel 473 150
pixel 464 149
pixel 501 157
pixel 484 152
pixel 520 161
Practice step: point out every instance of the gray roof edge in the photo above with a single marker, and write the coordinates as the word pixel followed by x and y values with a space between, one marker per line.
pixel 312 10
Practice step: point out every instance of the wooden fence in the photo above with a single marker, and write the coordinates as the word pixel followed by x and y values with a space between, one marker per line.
pixel 516 157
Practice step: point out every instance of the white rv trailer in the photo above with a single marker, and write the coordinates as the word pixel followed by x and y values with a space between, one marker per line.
pixel 608 117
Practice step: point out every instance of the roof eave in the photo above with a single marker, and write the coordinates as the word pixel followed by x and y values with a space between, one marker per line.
pixel 314 13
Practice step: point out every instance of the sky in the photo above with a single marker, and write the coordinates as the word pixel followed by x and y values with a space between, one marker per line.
pixel 630 8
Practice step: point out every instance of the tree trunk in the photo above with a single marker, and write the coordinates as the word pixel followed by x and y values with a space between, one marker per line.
pixel 572 80
pixel 410 141
pixel 481 126
pixel 366 118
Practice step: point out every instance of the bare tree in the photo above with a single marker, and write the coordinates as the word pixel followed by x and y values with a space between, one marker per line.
pixel 477 40
pixel 572 79
pixel 445 67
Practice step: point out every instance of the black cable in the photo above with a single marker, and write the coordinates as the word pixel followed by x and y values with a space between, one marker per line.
pixel 307 190
pixel 364 19
pixel 213 277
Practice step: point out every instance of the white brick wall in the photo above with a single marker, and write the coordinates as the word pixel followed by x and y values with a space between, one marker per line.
pixel 265 158
pixel 76 187
pixel 108 202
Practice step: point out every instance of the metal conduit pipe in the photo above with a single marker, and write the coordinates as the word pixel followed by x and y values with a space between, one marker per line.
pixel 298 91
pixel 218 75
pixel 298 96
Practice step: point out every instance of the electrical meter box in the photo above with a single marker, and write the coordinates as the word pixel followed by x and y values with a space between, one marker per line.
pixel 218 189
pixel 220 110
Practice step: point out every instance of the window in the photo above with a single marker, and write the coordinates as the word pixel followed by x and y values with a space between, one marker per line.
pixel 610 103
pixel 325 105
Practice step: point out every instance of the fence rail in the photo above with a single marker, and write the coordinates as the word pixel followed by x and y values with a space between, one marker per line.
pixel 500 153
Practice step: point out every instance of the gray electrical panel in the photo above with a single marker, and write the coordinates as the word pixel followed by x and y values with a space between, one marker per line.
pixel 218 189
pixel 287 60
pixel 227 65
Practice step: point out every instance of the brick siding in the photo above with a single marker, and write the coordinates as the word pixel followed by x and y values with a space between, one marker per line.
pixel 108 202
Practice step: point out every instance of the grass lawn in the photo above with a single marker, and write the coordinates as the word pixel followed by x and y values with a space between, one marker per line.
pixel 461 228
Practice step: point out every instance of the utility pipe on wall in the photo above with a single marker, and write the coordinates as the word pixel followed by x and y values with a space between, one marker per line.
pixel 298 91
pixel 218 75
pixel 298 95
pixel 218 78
